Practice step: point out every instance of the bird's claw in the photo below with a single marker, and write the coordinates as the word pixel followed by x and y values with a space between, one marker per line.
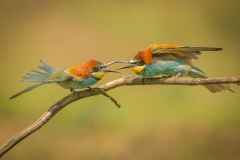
pixel 176 77
pixel 72 90
pixel 93 88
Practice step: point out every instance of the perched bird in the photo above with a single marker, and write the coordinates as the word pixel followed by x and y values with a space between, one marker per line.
pixel 76 77
pixel 172 60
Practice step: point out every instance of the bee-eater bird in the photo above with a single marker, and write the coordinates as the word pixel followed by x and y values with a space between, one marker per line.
pixel 172 60
pixel 76 77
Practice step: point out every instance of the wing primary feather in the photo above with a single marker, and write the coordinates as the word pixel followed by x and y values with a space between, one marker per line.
pixel 188 48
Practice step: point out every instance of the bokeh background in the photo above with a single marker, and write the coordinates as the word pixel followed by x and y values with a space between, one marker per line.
pixel 155 122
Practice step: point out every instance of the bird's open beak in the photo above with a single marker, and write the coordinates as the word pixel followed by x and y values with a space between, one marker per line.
pixel 110 63
pixel 107 70
pixel 130 66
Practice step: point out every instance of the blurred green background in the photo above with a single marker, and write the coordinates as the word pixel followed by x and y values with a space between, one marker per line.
pixel 155 122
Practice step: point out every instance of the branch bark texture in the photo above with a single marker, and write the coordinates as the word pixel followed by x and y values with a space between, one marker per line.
pixel 127 80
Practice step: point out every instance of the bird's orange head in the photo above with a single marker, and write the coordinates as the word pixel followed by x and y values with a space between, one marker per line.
pixel 142 56
pixel 141 59
pixel 145 56
pixel 91 67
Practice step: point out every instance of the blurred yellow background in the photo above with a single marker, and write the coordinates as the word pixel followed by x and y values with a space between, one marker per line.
pixel 155 122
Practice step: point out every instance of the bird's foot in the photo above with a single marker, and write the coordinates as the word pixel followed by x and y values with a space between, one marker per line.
pixel 72 90
pixel 176 77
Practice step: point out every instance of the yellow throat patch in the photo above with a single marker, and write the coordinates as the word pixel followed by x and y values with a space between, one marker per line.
pixel 138 69
pixel 98 75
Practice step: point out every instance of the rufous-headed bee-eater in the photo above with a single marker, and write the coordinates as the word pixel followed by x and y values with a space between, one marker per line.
pixel 172 60
pixel 76 77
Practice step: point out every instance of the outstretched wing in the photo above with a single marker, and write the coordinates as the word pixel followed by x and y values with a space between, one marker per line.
pixel 180 51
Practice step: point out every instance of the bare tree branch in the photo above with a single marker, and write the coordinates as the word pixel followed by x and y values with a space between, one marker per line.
pixel 127 80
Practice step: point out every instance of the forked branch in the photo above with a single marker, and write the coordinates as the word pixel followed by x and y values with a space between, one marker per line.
pixel 127 80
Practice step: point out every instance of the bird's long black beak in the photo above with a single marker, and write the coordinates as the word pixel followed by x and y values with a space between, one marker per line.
pixel 110 63
pixel 130 66
pixel 107 70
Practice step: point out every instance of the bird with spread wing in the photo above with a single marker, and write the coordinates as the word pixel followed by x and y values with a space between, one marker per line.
pixel 172 60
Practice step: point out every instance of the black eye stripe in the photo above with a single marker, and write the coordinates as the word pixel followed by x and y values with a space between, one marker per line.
pixel 95 69
pixel 139 63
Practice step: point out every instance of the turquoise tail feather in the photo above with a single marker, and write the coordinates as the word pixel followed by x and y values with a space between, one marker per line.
pixel 49 69
pixel 28 89
pixel 214 88
pixel 197 73
pixel 41 76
